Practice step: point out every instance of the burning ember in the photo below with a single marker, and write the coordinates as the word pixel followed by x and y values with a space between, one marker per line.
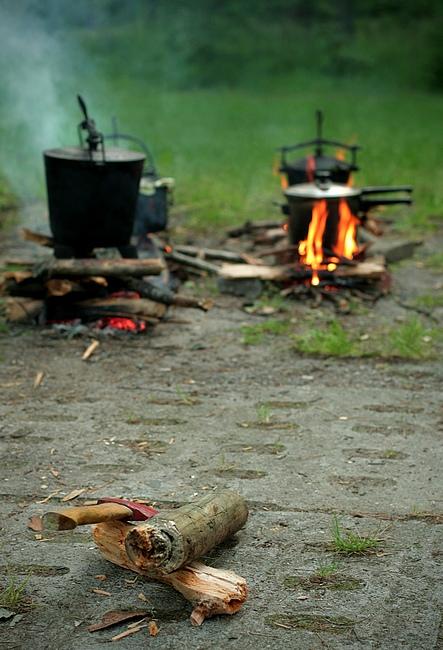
pixel 123 324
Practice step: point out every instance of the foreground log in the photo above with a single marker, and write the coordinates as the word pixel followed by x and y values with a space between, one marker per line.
pixel 102 267
pixel 211 591
pixel 174 538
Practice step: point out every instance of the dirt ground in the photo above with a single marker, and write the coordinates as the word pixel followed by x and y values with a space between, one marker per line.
pixel 357 438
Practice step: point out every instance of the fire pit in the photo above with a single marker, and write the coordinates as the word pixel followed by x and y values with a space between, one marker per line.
pixel 324 210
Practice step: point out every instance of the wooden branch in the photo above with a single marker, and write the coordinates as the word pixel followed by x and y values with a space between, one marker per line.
pixel 193 262
pixel 99 267
pixel 166 296
pixel 251 226
pixel 210 253
pixel 211 591
pixel 174 538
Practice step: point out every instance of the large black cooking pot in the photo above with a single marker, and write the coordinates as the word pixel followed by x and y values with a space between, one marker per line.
pixel 92 196
pixel 302 198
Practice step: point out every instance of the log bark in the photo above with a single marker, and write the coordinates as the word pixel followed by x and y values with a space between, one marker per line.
pixel 211 591
pixel 174 538
pixel 129 306
pixel 101 267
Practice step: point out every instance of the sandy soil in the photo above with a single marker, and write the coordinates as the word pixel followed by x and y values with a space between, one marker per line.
pixel 353 437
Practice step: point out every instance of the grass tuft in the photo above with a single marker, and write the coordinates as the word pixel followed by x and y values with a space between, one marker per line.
pixel 326 570
pixel 13 595
pixel 411 340
pixel 334 341
pixel 255 334
pixel 350 543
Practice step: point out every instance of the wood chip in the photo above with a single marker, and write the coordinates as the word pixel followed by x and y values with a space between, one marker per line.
pixel 114 617
pixel 101 592
pixel 90 350
pixel 122 635
pixel 49 497
pixel 101 577
pixel 74 493
pixel 35 523
pixel 38 379
pixel 153 628
pixel 54 472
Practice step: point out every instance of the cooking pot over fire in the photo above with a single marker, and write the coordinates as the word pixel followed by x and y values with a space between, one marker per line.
pixel 335 198
pixel 92 192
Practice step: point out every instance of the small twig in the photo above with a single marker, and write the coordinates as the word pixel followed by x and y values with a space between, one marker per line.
pixel 90 350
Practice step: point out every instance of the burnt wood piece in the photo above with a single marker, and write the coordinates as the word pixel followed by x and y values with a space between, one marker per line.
pixel 193 262
pixel 251 226
pixel 166 296
pixel 174 538
pixel 102 267
pixel 111 306
pixel 211 591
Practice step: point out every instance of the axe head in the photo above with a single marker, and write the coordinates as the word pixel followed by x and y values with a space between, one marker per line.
pixel 140 511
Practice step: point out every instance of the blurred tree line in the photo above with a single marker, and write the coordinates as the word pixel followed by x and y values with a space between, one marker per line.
pixel 202 43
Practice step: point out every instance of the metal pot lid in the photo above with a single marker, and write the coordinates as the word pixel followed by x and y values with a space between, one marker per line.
pixel 112 155
pixel 318 191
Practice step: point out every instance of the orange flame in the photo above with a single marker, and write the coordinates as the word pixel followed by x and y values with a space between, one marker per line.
pixel 284 182
pixel 311 250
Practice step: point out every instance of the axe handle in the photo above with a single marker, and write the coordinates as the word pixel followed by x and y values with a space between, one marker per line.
pixel 69 518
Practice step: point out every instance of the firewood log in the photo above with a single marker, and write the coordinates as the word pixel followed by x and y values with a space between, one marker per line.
pixel 20 310
pixel 174 538
pixel 101 267
pixel 211 591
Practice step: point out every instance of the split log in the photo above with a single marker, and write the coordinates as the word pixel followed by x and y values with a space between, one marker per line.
pixel 370 270
pixel 193 262
pixel 174 538
pixel 58 287
pixel 20 310
pixel 99 267
pixel 251 271
pixel 211 591
pixel 166 296
pixel 128 306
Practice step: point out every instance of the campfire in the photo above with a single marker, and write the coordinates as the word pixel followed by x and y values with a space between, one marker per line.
pixel 104 202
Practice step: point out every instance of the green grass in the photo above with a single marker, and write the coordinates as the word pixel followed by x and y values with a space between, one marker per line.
pixel 430 300
pixel 333 341
pixel 256 334
pixel 410 340
pixel 13 594
pixel 434 262
pixel 327 570
pixel 264 413
pixel 350 543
